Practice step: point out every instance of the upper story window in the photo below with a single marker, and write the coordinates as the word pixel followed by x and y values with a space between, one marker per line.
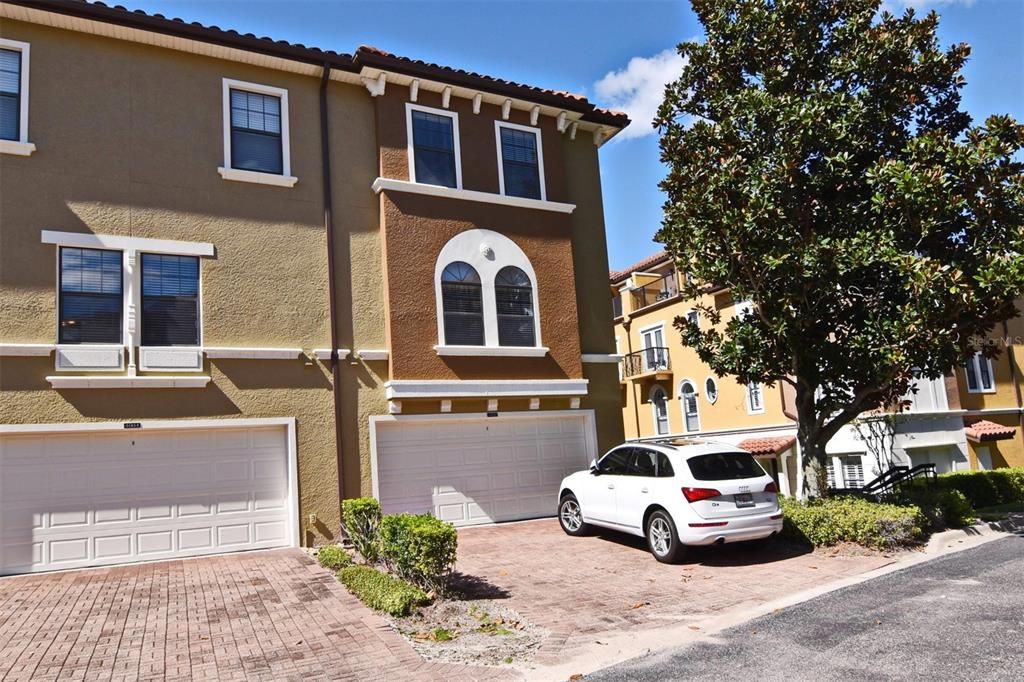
pixel 980 378
pixel 521 161
pixel 91 298
pixel 434 155
pixel 711 390
pixel 14 62
pixel 755 398
pixel 256 135
pixel 170 300
pixel 513 293
pixel 462 303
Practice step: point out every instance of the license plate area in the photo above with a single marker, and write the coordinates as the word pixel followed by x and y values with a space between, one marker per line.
pixel 744 500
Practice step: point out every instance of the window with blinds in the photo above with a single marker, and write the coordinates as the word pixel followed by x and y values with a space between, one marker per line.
pixel 520 163
pixel 979 374
pixel 513 294
pixel 755 398
pixel 170 300
pixel 256 132
pixel 462 304
pixel 853 472
pixel 433 138
pixel 91 296
pixel 10 94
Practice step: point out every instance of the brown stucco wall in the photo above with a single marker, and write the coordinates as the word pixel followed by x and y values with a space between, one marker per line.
pixel 416 228
pixel 139 157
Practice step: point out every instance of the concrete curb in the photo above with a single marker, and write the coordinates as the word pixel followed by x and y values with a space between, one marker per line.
pixel 617 648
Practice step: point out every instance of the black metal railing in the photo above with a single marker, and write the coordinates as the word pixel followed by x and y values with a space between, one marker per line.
pixel 659 290
pixel 645 361
pixel 893 481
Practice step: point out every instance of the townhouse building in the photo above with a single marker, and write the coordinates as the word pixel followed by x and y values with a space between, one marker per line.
pixel 969 420
pixel 242 279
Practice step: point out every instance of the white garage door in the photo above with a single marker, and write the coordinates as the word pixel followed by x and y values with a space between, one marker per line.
pixel 92 498
pixel 471 471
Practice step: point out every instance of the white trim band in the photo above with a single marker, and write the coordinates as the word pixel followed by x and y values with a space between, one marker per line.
pixel 227 353
pixel 16 148
pixel 325 353
pixel 127 382
pixel 372 355
pixel 26 349
pixel 493 351
pixel 601 358
pixel 381 184
pixel 108 241
pixel 257 177
pixel 484 388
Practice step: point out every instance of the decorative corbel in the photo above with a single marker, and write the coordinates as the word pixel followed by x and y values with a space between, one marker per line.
pixel 534 114
pixel 506 107
pixel 414 90
pixel 477 99
pixel 446 97
pixel 375 86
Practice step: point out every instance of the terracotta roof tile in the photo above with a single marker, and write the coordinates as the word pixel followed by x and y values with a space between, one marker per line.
pixel 617 276
pixel 983 430
pixel 768 446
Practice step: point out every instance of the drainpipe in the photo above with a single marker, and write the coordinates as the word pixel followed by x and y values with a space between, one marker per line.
pixel 1014 374
pixel 325 163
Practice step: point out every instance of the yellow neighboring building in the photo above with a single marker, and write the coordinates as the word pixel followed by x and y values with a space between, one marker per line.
pixel 967 421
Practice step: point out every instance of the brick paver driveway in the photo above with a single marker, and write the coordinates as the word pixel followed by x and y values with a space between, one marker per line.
pixel 268 615
pixel 579 588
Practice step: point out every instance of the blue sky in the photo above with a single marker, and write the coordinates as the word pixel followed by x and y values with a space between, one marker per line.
pixel 613 51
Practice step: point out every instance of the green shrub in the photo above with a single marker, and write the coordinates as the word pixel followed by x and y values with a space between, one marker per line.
pixel 986 488
pixel 333 557
pixel 382 592
pixel 942 508
pixel 361 517
pixel 851 519
pixel 419 548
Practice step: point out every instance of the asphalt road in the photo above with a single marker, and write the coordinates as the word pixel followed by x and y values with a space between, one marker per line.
pixel 959 617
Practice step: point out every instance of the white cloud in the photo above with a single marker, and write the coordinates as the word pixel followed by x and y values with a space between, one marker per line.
pixel 639 88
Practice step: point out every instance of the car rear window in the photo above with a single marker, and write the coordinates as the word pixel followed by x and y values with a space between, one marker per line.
pixel 726 466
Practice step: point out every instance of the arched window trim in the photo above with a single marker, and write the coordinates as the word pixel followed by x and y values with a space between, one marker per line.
pixel 487 252
pixel 696 402
pixel 654 409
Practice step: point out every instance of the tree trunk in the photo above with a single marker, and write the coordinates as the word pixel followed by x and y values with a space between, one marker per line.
pixel 812 445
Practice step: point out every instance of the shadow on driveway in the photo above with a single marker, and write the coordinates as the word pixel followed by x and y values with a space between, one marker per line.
pixel 730 554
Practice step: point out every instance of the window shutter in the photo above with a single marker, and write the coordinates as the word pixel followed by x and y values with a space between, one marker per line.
pixel 170 300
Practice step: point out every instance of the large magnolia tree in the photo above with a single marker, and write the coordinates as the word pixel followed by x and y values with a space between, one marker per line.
pixel 820 166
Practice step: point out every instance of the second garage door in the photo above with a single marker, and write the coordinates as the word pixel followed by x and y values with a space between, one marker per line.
pixel 479 470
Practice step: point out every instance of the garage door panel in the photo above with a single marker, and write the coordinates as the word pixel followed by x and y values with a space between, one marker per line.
pixel 104 498
pixel 478 471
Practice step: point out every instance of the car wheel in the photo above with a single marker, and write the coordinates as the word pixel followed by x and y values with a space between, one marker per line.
pixel 662 538
pixel 570 516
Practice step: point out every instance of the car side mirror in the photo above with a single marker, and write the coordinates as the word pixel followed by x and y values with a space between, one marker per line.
pixel 594 469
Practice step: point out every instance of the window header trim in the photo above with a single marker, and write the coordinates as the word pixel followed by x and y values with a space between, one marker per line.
pixel 130 244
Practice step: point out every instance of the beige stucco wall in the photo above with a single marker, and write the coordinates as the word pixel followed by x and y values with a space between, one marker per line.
pixel 138 156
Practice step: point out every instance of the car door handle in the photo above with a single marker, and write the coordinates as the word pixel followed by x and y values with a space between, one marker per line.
pixel 611 486
pixel 643 490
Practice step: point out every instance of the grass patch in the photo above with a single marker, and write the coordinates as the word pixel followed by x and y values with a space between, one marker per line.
pixel 382 592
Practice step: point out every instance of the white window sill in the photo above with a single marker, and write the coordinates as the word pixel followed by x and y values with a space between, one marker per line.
pixel 26 349
pixel 381 184
pixel 128 382
pixel 257 178
pixel 601 358
pixel 16 148
pixel 253 353
pixel 982 391
pixel 492 351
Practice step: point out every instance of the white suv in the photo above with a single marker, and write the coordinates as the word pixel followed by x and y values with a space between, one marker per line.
pixel 675 493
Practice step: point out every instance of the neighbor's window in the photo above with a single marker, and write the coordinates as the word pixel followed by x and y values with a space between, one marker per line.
pixel 725 466
pixel 755 397
pixel 979 374
pixel 435 148
pixel 521 172
pixel 91 296
pixel 659 403
pixel 462 303
pixel 256 132
pixel 513 294
pixel 170 300
pixel 711 390
pixel 10 94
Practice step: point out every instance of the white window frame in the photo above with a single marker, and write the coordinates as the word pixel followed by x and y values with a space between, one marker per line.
pixel 498 125
pixel 707 394
pixel 177 358
pixel 973 364
pixel 654 410
pixel 696 402
pixel 285 179
pixel 21 146
pixel 695 314
pixel 487 252
pixel 643 344
pixel 411 145
pixel 750 405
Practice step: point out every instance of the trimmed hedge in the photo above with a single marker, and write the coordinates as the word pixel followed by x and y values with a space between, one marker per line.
pixel 361 517
pixel 832 520
pixel 382 592
pixel 942 508
pixel 333 557
pixel 420 549
pixel 986 488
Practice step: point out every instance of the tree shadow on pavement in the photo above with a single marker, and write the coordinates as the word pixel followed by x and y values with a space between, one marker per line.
pixel 467 587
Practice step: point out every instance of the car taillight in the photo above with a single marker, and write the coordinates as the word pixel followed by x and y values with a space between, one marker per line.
pixel 698 494
pixel 771 488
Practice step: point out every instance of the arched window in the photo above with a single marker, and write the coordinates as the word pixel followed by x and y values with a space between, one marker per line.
pixel 691 419
pixel 711 390
pixel 462 302
pixel 659 404
pixel 513 295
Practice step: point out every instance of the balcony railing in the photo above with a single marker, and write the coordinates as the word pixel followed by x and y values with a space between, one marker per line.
pixel 646 361
pixel 659 290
